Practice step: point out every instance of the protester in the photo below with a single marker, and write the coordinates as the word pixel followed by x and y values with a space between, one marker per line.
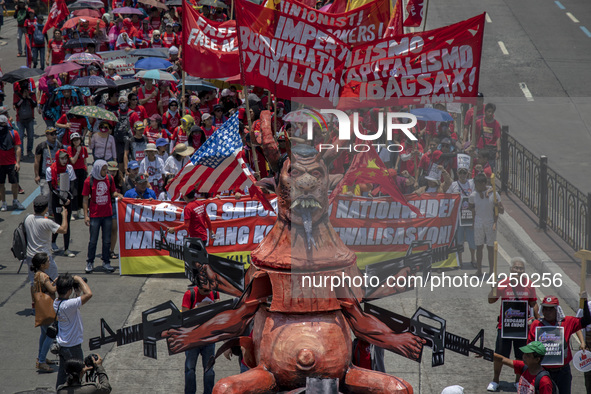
pixel 38 43
pixel 133 169
pixel 103 144
pixel 136 145
pixel 70 334
pixel 153 166
pixel 113 171
pixel 465 187
pixel 78 155
pixel 553 316
pixel 122 131
pixel 507 292
pixel 179 158
pixel 172 117
pixel 207 125
pixel 483 206
pixel 76 368
pixel 99 189
pixel 488 134
pixel 141 189
pixel 162 146
pixel 44 157
pixel 25 103
pixel 10 161
pixel 61 199
pixel 197 222
pixel 20 14
pixel 149 97
pixel 155 130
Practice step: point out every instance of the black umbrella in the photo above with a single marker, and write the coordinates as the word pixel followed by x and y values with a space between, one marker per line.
pixel 94 81
pixel 213 3
pixel 174 3
pixel 83 4
pixel 21 74
pixel 197 84
pixel 122 84
pixel 149 52
pixel 79 43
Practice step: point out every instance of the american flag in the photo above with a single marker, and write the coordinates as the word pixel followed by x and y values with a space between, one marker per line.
pixel 217 166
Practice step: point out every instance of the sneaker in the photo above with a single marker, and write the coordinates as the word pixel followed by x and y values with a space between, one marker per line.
pixel 108 267
pixel 493 386
pixel 55 348
pixel 21 190
pixel 44 368
pixel 16 204
pixel 80 214
pixel 72 217
pixel 68 253
pixel 4 207
pixel 89 268
pixel 55 248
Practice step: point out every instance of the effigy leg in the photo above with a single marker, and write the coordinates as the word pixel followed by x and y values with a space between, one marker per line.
pixel 360 380
pixel 254 381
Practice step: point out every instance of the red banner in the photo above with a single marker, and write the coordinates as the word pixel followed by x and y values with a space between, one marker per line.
pixel 59 12
pixel 440 64
pixel 210 49
pixel 375 228
pixel 415 13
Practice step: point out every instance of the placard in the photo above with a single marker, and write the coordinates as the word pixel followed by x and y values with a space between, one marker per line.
pixel 514 315
pixel 466 214
pixel 553 339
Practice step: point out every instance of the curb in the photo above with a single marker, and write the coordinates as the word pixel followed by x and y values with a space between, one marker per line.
pixel 538 258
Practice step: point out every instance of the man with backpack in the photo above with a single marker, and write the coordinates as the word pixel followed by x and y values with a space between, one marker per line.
pixel 10 159
pixel 534 378
pixel 39 42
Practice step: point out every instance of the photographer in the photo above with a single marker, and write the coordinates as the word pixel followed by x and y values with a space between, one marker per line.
pixel 75 369
pixel 70 329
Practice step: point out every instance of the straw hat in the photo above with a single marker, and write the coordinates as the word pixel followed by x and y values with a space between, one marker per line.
pixel 183 150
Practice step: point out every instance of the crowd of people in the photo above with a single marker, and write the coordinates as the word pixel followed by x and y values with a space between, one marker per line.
pixel 156 131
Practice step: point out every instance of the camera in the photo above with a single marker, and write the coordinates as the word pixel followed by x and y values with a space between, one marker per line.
pixel 77 286
pixel 90 360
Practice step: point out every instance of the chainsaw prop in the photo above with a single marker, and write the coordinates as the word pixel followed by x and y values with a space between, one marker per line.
pixel 298 332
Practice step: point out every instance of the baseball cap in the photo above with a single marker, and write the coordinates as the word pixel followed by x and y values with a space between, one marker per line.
pixel 74 135
pixel 534 347
pixel 173 100
pixel 3 109
pixel 141 178
pixel 139 125
pixel 161 142
pixel 40 202
pixel 112 165
pixel 151 147
pixel 205 116
pixel 226 92
pixel 3 120
pixel 216 107
pixel 155 117
pixel 132 165
pixel 550 301
pixel 173 50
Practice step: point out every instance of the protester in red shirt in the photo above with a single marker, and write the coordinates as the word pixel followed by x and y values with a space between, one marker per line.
pixel 207 125
pixel 529 369
pixel 468 120
pixel 10 158
pixel 554 317
pixel 30 23
pixel 56 48
pixel 155 130
pixel 180 134
pixel 139 112
pixel 169 38
pixel 78 155
pixel 193 109
pixel 156 40
pixel 196 221
pixel 172 117
pixel 72 124
pixel 99 189
pixel 154 18
pixel 488 130
pixel 149 96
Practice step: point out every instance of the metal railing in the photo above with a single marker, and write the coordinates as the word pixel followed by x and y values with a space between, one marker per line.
pixel 557 203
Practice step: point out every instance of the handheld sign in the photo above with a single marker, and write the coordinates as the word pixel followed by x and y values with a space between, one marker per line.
pixel 582 360
pixel 466 216
pixel 514 315
pixel 553 339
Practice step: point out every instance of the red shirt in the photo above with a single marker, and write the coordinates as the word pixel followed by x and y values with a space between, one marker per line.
pixel 487 133
pixel 139 114
pixel 66 105
pixel 171 122
pixel 209 132
pixel 527 380
pixel 179 136
pixel 30 25
pixel 58 53
pixel 80 163
pixel 151 105
pixel 197 220
pixel 198 298
pixel 100 198
pixel 571 325
pixel 8 157
pixel 155 22
pixel 170 40
pixel 521 293
pixel 76 126
pixel 152 134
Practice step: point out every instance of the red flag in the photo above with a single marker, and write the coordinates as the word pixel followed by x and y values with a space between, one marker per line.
pixel 415 13
pixel 210 49
pixel 367 167
pixel 29 50
pixel 59 12
pixel 395 27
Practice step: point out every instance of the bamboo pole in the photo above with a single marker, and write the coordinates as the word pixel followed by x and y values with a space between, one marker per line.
pixel 495 256
pixel 251 132
pixel 585 256
pixel 183 92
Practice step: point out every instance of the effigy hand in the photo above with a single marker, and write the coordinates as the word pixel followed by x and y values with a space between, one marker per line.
pixel 179 339
pixel 410 345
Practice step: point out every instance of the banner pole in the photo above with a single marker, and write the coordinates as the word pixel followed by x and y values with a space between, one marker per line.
pixel 251 132
pixel 426 8
pixel 232 10
pixel 496 252
pixel 183 92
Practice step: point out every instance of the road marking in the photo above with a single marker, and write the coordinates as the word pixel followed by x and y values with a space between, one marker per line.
pixel 526 91
pixel 28 200
pixel 503 48
pixel 560 5
pixel 504 255
pixel 572 17
pixel 2 43
pixel 587 32
pixel 488 20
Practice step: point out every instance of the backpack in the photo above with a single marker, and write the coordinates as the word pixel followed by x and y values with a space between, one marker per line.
pixel 19 241
pixel 38 36
pixel 538 379
pixel 122 129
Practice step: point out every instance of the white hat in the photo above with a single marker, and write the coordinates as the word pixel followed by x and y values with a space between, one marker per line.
pixel 226 92
pixel 463 161
pixel 434 174
pixel 453 390
pixel 173 50
pixel 3 120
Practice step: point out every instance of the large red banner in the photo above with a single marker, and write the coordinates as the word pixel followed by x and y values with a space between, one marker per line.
pixel 210 49
pixel 376 229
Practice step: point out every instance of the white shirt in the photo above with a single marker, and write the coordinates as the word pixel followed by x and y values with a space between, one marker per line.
pixel 70 329
pixel 465 189
pixel 39 231
pixel 484 213
pixel 152 168
pixel 173 166
pixel 69 170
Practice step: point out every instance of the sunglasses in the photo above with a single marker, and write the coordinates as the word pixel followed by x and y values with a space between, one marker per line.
pixel 133 99
pixel 173 105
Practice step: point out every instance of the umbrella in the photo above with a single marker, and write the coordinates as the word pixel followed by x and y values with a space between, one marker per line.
pixel 62 68
pixel 88 12
pixel 149 52
pixel 82 4
pixel 73 22
pixel 79 43
pixel 152 63
pixel 431 114
pixel 92 111
pixel 85 58
pixel 21 74
pixel 156 74
pixel 173 3
pixel 197 84
pixel 94 81
pixel 127 11
pixel 121 84
pixel 213 3
pixel 154 3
